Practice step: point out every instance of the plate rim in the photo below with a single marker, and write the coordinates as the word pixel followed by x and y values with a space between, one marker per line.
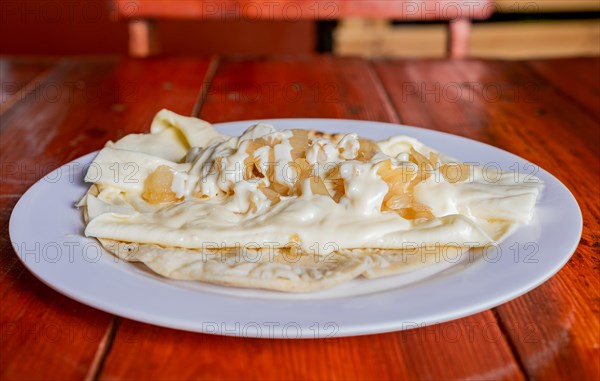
pixel 364 329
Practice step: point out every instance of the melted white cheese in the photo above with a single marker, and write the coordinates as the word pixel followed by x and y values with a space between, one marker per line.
pixel 365 190
pixel 233 211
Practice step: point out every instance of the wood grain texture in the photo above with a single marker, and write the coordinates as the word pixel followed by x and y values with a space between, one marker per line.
pixel 81 105
pixel 38 323
pixel 553 328
pixel 44 334
pixel 308 87
pixel 249 89
pixel 565 326
pixel 18 77
pixel 530 109
pixel 448 351
pixel 576 78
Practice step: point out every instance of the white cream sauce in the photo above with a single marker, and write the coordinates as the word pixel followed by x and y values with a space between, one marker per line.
pixel 233 211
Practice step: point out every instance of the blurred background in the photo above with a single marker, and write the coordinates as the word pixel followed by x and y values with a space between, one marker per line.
pixel 515 29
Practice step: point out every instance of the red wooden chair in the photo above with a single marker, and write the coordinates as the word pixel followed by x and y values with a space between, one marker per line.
pixel 140 14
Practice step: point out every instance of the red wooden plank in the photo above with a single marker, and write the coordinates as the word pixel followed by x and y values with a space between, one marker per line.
pixel 554 328
pixel 294 10
pixel 18 77
pixel 44 334
pixel 308 87
pixel 83 105
pixel 577 78
pixel 473 347
pixel 470 347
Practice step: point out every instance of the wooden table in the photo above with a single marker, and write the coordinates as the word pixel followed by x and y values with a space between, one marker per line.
pixel 547 111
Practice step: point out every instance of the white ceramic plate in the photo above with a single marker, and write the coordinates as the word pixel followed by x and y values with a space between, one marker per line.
pixel 46 231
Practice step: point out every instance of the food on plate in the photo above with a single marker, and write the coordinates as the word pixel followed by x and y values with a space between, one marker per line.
pixel 292 210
